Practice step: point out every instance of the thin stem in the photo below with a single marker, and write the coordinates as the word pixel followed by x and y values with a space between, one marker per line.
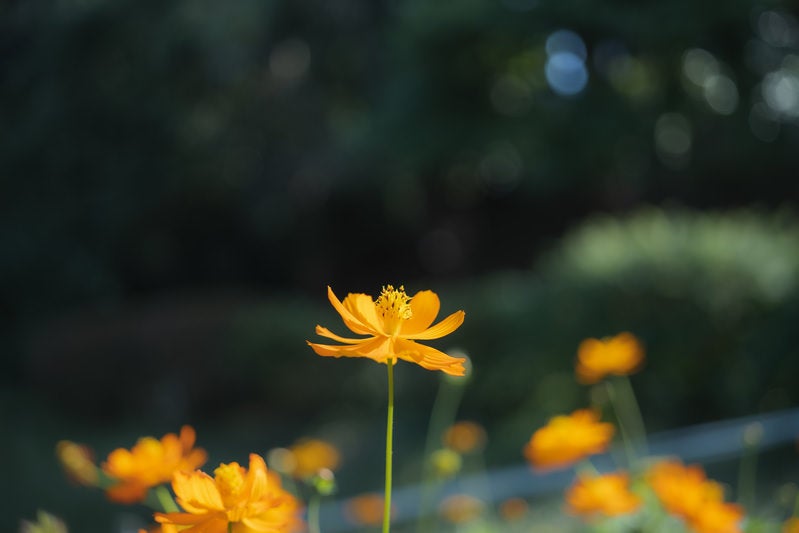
pixel 586 467
pixel 165 500
pixel 634 418
pixel 313 513
pixel 629 450
pixel 230 527
pixel 445 407
pixel 389 446
pixel 747 470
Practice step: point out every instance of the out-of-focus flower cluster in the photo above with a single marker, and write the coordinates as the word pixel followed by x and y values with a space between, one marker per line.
pixel 251 499
pixel 238 499
pixel 682 491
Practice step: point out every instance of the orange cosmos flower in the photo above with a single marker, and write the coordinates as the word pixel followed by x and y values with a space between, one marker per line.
pixel 682 490
pixel 253 501
pixel 607 494
pixel 619 355
pixel 791 525
pixel 513 509
pixel 312 455
pixel 392 324
pixel 77 462
pixel 686 492
pixel 150 463
pixel 717 517
pixel 465 437
pixel 461 508
pixel 568 438
pixel 366 509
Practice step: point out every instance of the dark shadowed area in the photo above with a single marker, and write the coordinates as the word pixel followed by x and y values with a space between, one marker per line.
pixel 180 182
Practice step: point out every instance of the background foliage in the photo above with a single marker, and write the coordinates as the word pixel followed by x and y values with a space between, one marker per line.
pixel 180 180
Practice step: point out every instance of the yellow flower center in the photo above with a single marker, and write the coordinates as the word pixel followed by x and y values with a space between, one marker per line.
pixel 394 306
pixel 229 479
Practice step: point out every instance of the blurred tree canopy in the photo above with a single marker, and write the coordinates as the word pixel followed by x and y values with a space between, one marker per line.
pixel 150 144
pixel 163 165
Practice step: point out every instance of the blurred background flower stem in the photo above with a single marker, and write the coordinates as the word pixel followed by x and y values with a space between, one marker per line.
pixel 442 415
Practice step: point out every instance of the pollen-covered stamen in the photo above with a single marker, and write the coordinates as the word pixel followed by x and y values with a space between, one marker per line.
pixel 393 305
pixel 229 479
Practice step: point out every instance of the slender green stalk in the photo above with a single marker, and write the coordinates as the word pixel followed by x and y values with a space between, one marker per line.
pixel 626 438
pixel 633 413
pixel 165 500
pixel 747 470
pixel 389 446
pixel 313 514
pixel 586 467
pixel 230 527
pixel 442 415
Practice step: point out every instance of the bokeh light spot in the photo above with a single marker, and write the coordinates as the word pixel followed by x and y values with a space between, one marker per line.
pixel 673 139
pixel 777 29
pixel 698 65
pixel 566 41
pixel 289 60
pixel 781 92
pixel 566 73
pixel 721 94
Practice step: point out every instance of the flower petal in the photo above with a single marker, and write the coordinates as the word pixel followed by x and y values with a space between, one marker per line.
pixel 350 320
pixel 363 308
pixel 187 438
pixel 127 492
pixel 425 306
pixel 261 524
pixel 375 348
pixel 445 327
pixel 197 492
pixel 182 519
pixel 256 478
pixel 324 332
pixel 429 358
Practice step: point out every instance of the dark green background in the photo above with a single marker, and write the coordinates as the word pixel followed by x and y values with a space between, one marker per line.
pixel 179 181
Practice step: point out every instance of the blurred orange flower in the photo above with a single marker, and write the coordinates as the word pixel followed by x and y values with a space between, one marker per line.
pixel 682 489
pixel 366 509
pixel 77 462
pixel 461 508
pixel 253 501
pixel 392 324
pixel 312 455
pixel 619 355
pixel 607 494
pixel 791 525
pixel 150 463
pixel 717 517
pixel 513 509
pixel 568 438
pixel 465 437
pixel 686 492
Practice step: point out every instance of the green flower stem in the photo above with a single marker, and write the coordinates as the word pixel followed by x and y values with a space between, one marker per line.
pixel 586 467
pixel 629 449
pixel 633 413
pixel 442 415
pixel 389 446
pixel 165 500
pixel 313 514
pixel 747 470
pixel 230 527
